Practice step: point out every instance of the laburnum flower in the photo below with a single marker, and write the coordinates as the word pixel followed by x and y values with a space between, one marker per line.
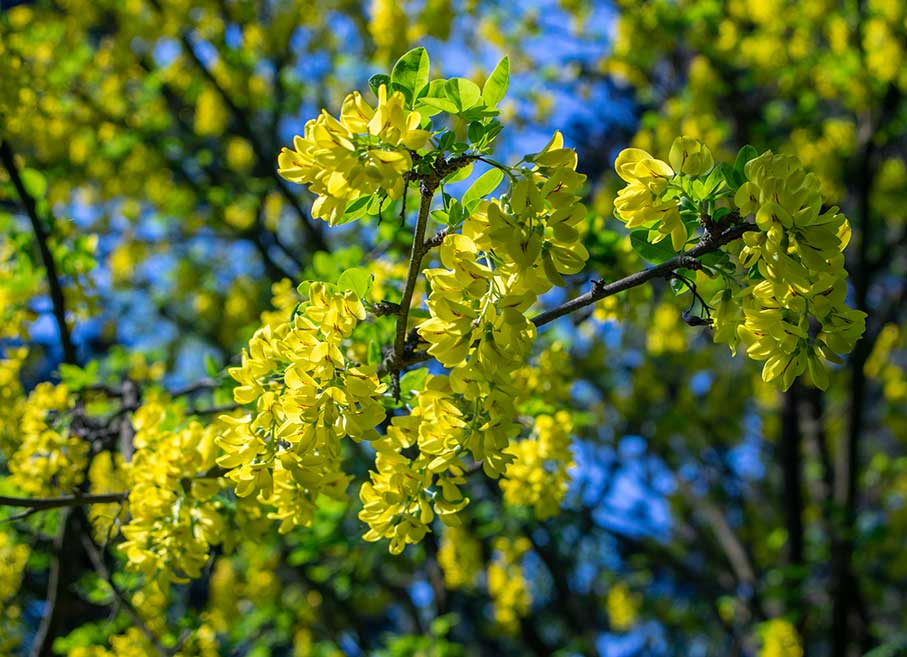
pixel 174 519
pixel 777 329
pixel 797 318
pixel 795 236
pixel 441 427
pixel 779 639
pixel 507 583
pixel 460 558
pixel 308 396
pixel 107 474
pixel 49 460
pixel 366 150
pixel 404 495
pixel 690 156
pixel 13 556
pixel 535 228
pixel 538 476
pixel 642 203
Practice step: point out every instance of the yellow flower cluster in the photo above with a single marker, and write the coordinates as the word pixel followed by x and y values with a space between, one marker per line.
pixel 13 558
pixel 388 26
pixel 49 460
pixel 779 639
pixel 106 474
pixel 308 397
pixel 12 399
pixel 460 558
pixel 622 607
pixel 646 202
pixel 368 149
pixel 534 232
pixel 478 329
pixel 174 520
pixel 881 364
pixel 665 335
pixel 797 316
pixel 131 643
pixel 507 584
pixel 404 495
pixel 539 475
pixel 547 379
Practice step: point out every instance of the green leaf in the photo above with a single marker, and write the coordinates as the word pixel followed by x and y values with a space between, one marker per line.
pixel 356 208
pixel 410 73
pixel 212 367
pixel 377 80
pixel 76 377
pixel 495 87
pixel 720 213
pixel 711 183
pixel 744 155
pixel 356 279
pixel 439 104
pixel 732 176
pixel 440 216
pixel 456 212
pixel 413 380
pixel 654 253
pixel 475 132
pixel 35 183
pixel 460 174
pixel 484 185
pixel 464 93
pixel 374 352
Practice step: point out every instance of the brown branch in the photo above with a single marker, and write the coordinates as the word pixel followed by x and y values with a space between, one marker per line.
pixel 199 386
pixel 245 125
pixel 215 410
pixel 601 290
pixel 64 501
pixel 53 280
pixel 35 504
pixel 101 569
pixel 730 544
pixel 415 266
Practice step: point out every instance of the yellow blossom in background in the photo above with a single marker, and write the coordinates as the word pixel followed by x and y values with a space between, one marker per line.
pixel 779 639
pixel 507 585
pixel 460 558
pixel 622 606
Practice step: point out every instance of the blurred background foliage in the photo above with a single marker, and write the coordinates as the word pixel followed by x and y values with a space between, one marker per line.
pixel 708 513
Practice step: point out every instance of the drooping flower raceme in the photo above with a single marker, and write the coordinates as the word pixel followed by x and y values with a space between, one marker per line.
pixel 366 150
pixel 308 396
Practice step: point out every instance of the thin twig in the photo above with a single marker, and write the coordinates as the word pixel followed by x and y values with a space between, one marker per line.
pixel 427 190
pixel 101 569
pixel 601 290
pixel 64 501
pixel 35 504
pixel 50 267
pixel 315 236
pixel 215 410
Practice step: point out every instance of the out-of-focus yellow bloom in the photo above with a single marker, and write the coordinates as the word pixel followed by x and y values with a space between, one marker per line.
pixel 779 639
